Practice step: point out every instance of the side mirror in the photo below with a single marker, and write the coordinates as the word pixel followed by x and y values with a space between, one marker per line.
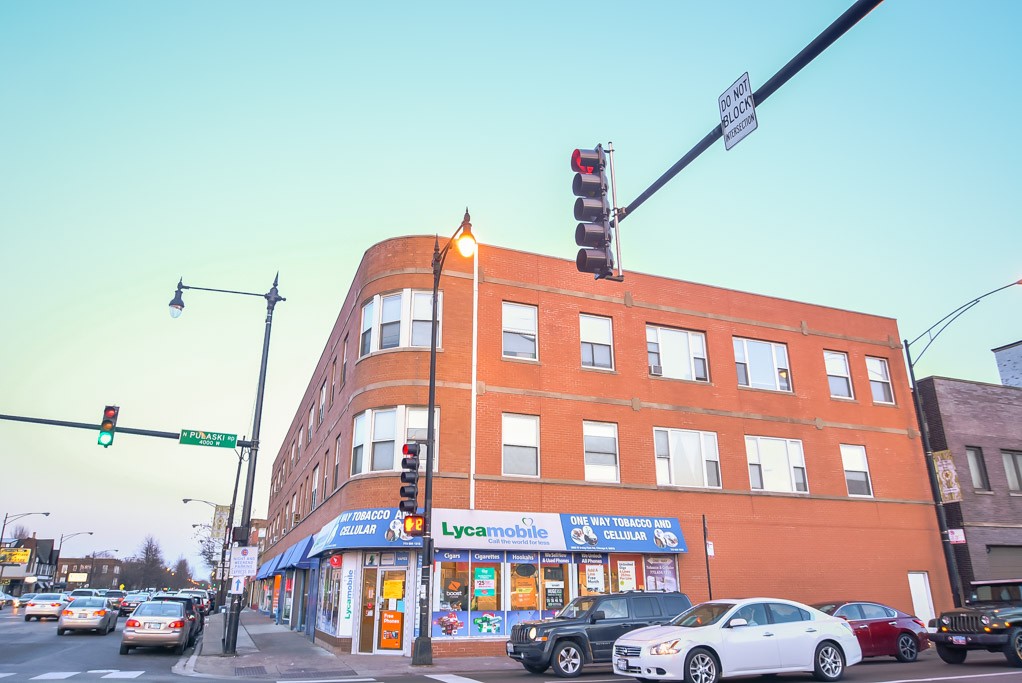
pixel 737 622
pixel 598 615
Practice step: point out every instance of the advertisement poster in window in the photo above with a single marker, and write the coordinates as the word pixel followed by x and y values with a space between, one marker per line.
pixel 595 578
pixel 485 584
pixel 626 576
pixel 661 573
pixel 390 629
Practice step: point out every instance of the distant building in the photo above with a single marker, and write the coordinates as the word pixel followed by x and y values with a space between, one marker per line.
pixel 35 574
pixel 89 572
pixel 1009 364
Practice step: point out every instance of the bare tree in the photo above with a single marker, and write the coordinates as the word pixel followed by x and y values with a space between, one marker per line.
pixel 181 575
pixel 209 547
pixel 21 532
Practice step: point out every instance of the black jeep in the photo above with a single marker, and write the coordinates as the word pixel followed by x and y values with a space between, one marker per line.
pixel 991 620
pixel 585 629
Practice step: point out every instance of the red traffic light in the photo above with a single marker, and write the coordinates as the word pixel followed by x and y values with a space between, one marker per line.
pixel 110 412
pixel 411 449
pixel 415 525
pixel 585 160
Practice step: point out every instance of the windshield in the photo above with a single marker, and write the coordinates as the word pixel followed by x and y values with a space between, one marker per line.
pixel 576 608
pixel 1001 592
pixel 88 602
pixel 703 615
pixel 49 596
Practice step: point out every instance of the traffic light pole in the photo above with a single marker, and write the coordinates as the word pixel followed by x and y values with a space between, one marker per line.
pixel 829 35
pixel 87 425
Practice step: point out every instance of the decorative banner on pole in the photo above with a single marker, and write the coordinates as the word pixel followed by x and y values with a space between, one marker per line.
pixel 220 516
pixel 947 477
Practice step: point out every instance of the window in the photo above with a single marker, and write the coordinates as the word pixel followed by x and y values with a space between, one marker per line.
pixel 678 354
pixel 366 341
pixel 856 470
pixel 597 342
pixel 776 464
pixel 312 417
pixel 1013 468
pixel 600 439
pixel 781 613
pixel 520 439
pixel 879 380
pixel 416 429
pixel 322 403
pixel 333 381
pixel 422 318
pixel 104 568
pixel 871 611
pixel 358 436
pixel 978 469
pixel 390 321
pixel 344 360
pixel 337 462
pixel 838 376
pixel 293 451
pixel 520 323
pixel 315 488
pixel 298 453
pixel 762 365
pixel 379 429
pixel 686 458
pixel 383 440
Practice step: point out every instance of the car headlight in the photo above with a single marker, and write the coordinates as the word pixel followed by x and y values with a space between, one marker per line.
pixel 945 620
pixel 985 620
pixel 669 647
pixel 532 633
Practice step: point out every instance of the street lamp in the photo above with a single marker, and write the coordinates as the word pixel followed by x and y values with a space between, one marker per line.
pixel 95 554
pixel 177 306
pixel 422 649
pixel 60 545
pixel 222 569
pixel 931 335
pixel 8 517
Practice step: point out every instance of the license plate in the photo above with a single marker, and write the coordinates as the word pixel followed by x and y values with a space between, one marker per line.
pixel 510 649
pixel 83 616
pixel 958 640
pixel 153 625
pixel 622 664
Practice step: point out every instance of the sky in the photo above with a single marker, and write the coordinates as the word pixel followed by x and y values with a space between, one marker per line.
pixel 223 142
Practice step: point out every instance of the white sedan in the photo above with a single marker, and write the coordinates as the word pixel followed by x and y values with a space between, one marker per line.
pixel 724 638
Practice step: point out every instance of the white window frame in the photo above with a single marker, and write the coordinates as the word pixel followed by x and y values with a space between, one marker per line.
pixel 315 488
pixel 506 328
pixel 667 464
pixel 879 379
pixel 1012 469
pixel 363 434
pixel 322 403
pixel 978 468
pixel 519 431
pixel 853 459
pixel 373 322
pixel 830 359
pixel 597 471
pixel 390 315
pixel 596 331
pixel 677 353
pixel 312 423
pixel 794 460
pixel 780 370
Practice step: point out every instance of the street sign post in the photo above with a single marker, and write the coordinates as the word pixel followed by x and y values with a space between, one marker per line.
pixel 737 112
pixel 196 437
pixel 236 586
pixel 244 562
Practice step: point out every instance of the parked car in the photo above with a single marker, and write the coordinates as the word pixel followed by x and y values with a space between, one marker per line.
pixel 191 611
pixel 131 601
pixel 159 623
pixel 725 638
pixel 204 603
pixel 8 599
pixel 45 605
pixel 882 631
pixel 25 597
pixel 583 632
pixel 87 614
pixel 991 620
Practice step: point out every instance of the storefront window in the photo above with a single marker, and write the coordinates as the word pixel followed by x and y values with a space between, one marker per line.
pixel 487 617
pixel 553 576
pixel 289 593
pixel 523 587
pixel 451 619
pixel 593 573
pixel 626 573
pixel 662 573
pixel 329 592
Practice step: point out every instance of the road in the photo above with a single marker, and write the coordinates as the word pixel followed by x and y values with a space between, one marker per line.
pixel 33 651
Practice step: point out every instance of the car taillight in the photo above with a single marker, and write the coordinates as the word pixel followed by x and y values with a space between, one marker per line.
pixel 31 604
pixel 54 604
pixel 132 623
pixel 919 621
pixel 99 613
pixel 67 613
pixel 177 624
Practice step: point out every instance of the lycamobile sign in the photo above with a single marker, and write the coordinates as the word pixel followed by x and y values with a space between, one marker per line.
pixel 515 531
pixel 487 529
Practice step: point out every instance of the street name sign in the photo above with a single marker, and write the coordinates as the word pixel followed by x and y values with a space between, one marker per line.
pixel 737 112
pixel 195 437
pixel 244 561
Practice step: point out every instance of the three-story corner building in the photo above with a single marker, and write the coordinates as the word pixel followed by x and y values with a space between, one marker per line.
pixel 585 432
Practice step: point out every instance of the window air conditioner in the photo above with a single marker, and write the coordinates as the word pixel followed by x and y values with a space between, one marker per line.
pixel 656 370
pixel 297 517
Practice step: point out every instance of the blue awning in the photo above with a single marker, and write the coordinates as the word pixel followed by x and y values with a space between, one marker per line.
pixel 268 568
pixel 261 574
pixel 297 556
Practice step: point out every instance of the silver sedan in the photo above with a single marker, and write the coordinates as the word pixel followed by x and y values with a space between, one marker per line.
pixel 88 614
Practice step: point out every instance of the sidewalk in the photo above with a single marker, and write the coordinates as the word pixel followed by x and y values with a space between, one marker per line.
pixel 268 651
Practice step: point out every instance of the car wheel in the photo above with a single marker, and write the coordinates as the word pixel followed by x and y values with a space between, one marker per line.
pixel 701 667
pixel 125 649
pixel 535 668
pixel 60 631
pixel 567 659
pixel 1013 648
pixel 829 662
pixel 28 618
pixel 951 655
pixel 908 648
pixel 180 649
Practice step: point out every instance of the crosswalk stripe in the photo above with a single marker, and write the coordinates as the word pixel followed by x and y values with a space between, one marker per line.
pixel 124 674
pixel 54 675
pixel 5 675
pixel 451 678
pixel 330 680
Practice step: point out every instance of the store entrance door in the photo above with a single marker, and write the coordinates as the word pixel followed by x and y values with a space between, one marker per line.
pixel 382 618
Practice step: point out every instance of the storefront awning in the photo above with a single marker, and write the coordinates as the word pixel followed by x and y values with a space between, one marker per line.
pixel 368 528
pixel 267 569
pixel 297 556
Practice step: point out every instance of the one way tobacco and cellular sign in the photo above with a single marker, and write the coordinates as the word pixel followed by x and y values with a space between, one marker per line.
pixel 195 437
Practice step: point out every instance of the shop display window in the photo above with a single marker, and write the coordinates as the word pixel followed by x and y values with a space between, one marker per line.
pixel 329 594
pixel 554 582
pixel 450 618
pixel 627 573
pixel 593 573
pixel 523 587
pixel 662 573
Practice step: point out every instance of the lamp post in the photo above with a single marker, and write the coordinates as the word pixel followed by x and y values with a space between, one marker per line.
pixel 931 335
pixel 177 305
pixel 8 517
pixel 422 649
pixel 64 537
pixel 95 554
pixel 221 593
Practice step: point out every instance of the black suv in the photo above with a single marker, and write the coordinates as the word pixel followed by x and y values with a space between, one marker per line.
pixel 991 620
pixel 584 631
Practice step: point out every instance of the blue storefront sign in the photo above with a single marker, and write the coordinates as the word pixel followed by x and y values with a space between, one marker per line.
pixel 368 528
pixel 623 534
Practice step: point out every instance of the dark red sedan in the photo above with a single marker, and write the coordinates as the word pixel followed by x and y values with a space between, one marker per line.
pixel 882 631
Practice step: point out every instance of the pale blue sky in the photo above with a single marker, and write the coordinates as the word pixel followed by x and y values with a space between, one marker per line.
pixel 140 142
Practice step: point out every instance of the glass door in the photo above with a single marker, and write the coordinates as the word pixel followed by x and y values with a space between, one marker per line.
pixel 390 624
pixel 367 613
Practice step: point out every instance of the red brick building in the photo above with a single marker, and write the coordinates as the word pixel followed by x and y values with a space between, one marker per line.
pixel 608 416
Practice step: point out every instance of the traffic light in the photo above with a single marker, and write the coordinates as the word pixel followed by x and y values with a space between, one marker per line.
pixel 415 525
pixel 410 478
pixel 592 208
pixel 106 427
